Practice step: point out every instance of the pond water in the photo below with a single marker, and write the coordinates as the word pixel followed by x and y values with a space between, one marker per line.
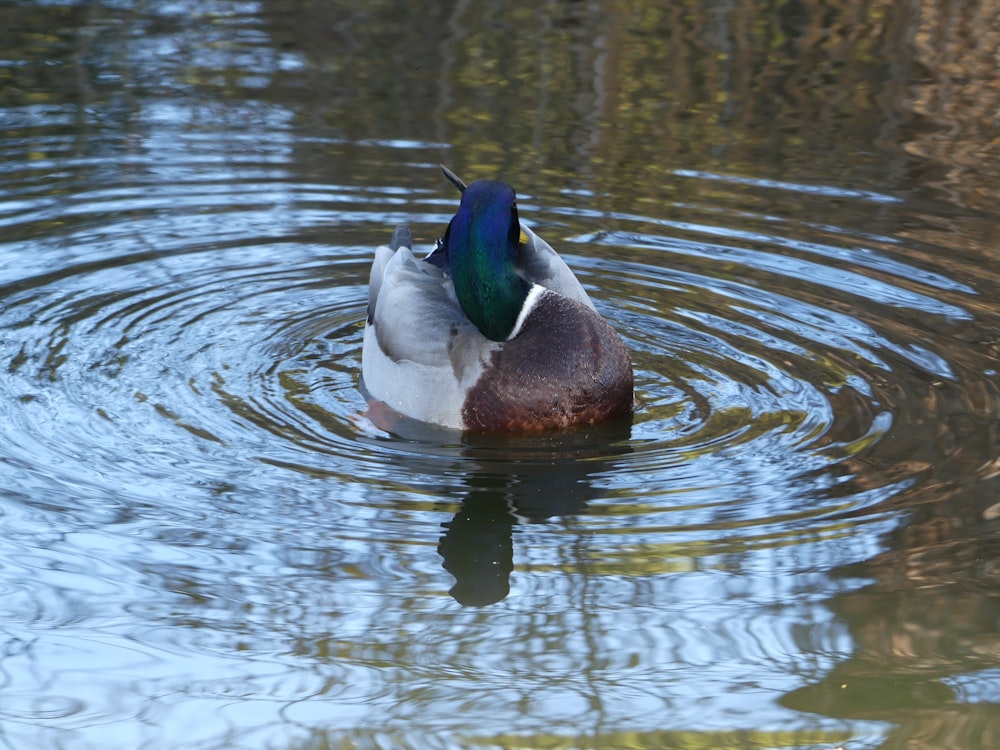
pixel 789 211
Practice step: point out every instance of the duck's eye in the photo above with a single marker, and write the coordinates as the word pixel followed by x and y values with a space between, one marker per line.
pixel 515 228
pixel 522 236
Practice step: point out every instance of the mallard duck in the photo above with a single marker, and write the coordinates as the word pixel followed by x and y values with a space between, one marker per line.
pixel 491 331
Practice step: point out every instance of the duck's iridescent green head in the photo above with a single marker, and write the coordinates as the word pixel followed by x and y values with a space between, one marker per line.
pixel 481 245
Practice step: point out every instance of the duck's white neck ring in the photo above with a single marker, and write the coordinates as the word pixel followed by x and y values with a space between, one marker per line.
pixel 534 293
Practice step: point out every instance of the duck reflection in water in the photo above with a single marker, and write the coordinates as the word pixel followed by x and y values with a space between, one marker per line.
pixel 526 486
pixel 511 479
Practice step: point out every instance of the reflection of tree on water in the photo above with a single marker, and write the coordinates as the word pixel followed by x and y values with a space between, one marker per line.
pixel 478 542
pixel 926 631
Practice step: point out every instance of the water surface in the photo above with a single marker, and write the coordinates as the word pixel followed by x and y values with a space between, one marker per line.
pixel 210 543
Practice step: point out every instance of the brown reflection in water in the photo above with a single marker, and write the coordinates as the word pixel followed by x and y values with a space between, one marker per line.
pixel 930 613
pixel 958 47
pixel 947 434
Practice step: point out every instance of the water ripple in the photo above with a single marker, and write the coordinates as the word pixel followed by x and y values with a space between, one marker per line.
pixel 221 518
pixel 209 542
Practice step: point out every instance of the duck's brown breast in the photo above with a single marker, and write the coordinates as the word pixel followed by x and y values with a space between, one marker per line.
pixel 565 367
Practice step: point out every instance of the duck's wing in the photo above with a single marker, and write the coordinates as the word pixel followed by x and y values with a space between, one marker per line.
pixel 420 353
pixel 540 264
pixel 413 310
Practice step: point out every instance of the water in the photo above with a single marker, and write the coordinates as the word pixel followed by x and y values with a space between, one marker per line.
pixel 208 541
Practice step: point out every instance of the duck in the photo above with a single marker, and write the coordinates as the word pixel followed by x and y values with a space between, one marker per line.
pixel 490 332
